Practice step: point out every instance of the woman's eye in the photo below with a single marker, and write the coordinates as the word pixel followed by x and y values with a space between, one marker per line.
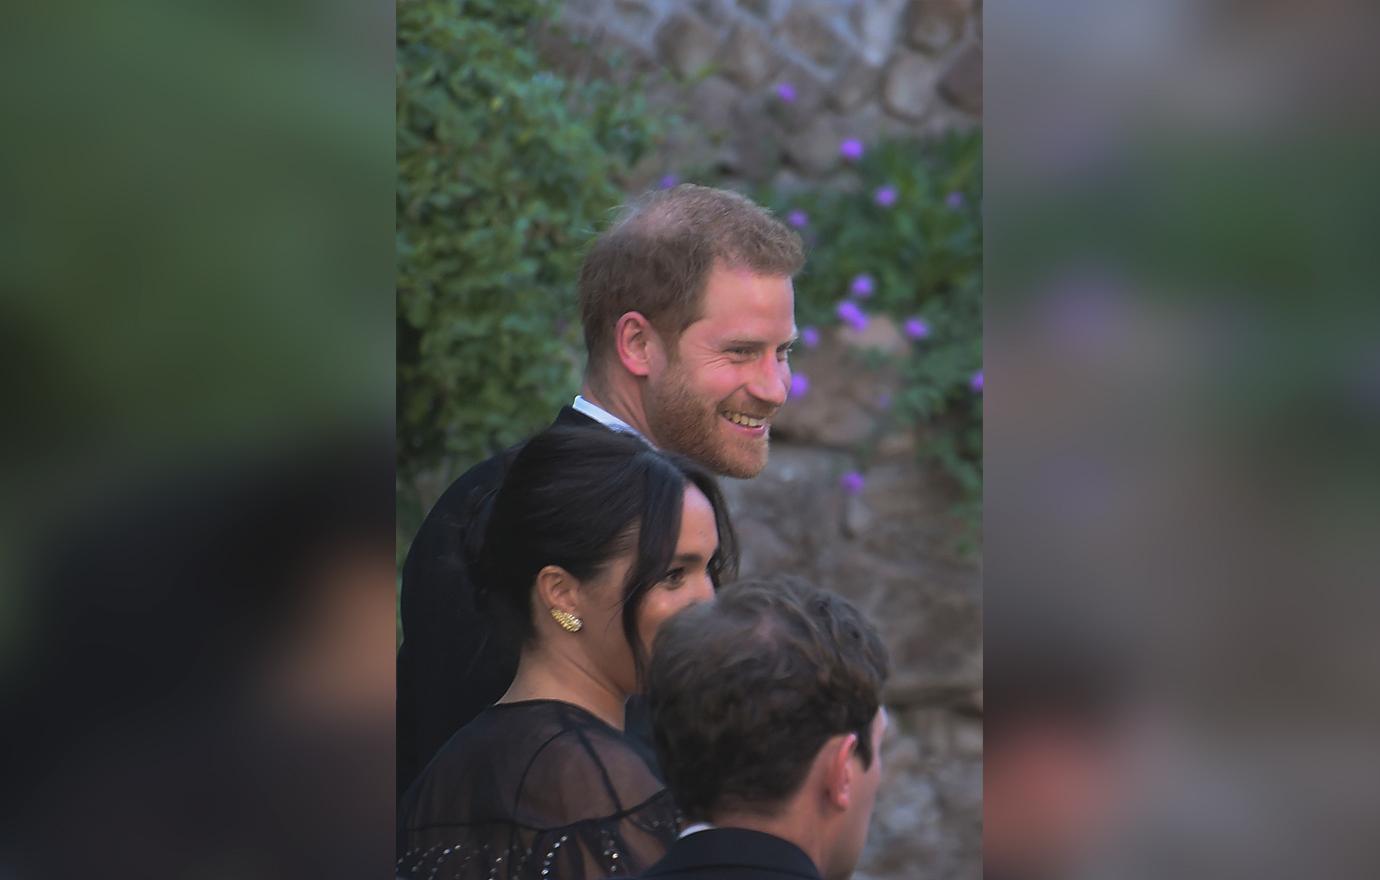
pixel 674 578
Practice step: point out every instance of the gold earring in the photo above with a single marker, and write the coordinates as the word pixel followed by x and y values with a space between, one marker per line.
pixel 569 622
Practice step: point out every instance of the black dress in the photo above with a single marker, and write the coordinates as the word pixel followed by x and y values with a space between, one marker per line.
pixel 537 789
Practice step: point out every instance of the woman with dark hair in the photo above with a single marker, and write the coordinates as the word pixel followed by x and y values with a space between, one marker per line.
pixel 592 542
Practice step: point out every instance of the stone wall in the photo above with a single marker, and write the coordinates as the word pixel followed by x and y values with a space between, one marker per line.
pixel 891 546
pixel 773 87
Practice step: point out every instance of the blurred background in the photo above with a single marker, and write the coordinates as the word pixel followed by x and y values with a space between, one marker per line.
pixel 523 125
pixel 196 627
pixel 1181 439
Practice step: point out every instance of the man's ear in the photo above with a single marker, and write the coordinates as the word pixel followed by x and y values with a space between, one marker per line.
pixel 557 588
pixel 840 769
pixel 639 346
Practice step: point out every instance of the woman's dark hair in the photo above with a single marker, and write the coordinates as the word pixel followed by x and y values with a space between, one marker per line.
pixel 578 498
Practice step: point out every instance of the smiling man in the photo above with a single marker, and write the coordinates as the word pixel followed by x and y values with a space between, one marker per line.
pixel 688 313
pixel 689 318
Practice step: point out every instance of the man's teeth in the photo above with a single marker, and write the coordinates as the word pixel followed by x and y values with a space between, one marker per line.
pixel 745 421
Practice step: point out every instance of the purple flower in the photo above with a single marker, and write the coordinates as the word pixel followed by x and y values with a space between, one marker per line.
pixel 916 328
pixel 954 200
pixel 852 482
pixel 885 196
pixel 669 181
pixel 862 286
pixel 884 400
pixel 851 149
pixel 810 337
pixel 786 92
pixel 800 383
pixel 975 383
pixel 850 314
pixel 798 218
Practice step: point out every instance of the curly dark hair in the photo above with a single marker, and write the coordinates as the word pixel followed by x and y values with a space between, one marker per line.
pixel 744 692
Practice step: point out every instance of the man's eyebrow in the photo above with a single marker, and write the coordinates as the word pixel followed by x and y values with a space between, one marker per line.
pixel 757 343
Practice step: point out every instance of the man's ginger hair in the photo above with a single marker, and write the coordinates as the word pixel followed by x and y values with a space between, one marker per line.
pixel 657 256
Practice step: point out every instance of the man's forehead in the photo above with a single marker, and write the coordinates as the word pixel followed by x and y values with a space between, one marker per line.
pixel 735 287
pixel 756 304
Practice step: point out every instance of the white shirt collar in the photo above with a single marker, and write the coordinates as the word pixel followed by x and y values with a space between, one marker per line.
pixel 695 829
pixel 603 416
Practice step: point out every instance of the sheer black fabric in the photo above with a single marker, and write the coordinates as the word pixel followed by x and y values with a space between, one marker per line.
pixel 538 789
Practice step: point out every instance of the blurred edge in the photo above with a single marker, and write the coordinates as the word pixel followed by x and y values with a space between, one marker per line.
pixel 196 326
pixel 1182 438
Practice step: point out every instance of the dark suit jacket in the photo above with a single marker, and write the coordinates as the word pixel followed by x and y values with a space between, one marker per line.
pixel 733 854
pixel 450 666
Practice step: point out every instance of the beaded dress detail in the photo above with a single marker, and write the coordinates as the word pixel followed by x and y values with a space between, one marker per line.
pixel 536 790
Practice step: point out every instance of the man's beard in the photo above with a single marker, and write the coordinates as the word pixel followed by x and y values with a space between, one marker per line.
pixel 687 425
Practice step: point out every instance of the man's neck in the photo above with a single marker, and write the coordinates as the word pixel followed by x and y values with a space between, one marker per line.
pixel 620 402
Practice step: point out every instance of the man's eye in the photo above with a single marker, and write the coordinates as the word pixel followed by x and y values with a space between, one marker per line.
pixel 785 353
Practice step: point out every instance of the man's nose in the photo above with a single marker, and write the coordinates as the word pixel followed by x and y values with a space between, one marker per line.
pixel 772 381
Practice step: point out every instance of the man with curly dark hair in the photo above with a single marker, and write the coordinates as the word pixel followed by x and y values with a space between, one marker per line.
pixel 767 718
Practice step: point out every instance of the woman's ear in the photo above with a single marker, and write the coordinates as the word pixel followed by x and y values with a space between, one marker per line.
pixel 638 345
pixel 557 589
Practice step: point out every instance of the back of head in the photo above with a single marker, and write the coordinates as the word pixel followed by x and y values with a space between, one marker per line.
pixel 657 256
pixel 746 690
